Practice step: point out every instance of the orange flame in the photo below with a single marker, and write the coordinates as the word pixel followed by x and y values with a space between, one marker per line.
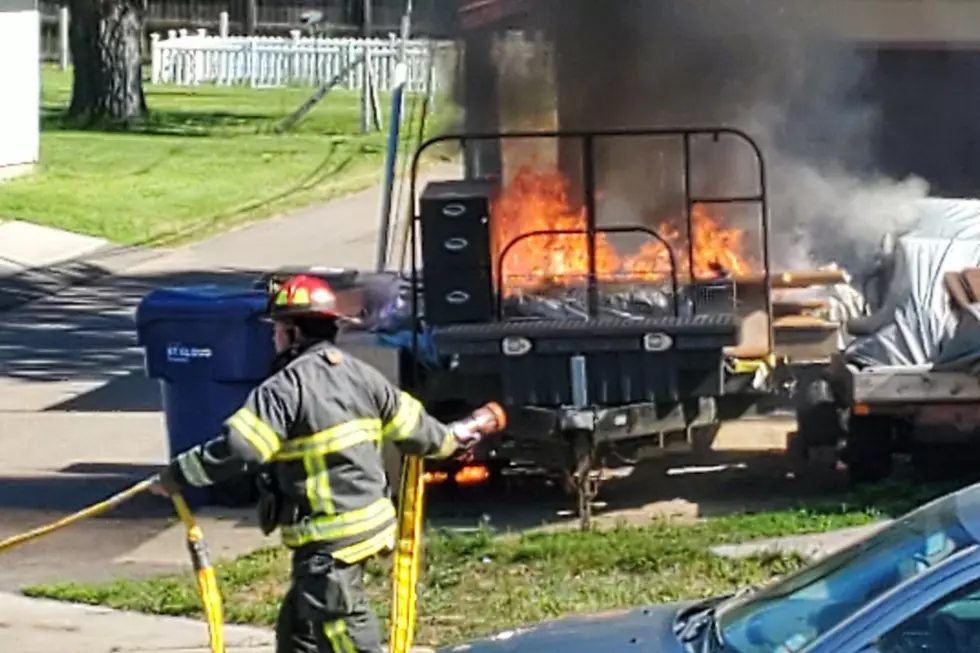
pixel 435 478
pixel 472 475
pixel 538 201
pixel 469 475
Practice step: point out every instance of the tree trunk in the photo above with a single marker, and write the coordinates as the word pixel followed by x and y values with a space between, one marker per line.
pixel 106 46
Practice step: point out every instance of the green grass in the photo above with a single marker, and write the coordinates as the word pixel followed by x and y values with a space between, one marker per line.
pixel 479 584
pixel 205 160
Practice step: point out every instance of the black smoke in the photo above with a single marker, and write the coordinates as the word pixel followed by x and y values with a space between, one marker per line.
pixel 752 64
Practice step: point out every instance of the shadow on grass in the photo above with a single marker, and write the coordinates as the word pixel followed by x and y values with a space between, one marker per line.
pixel 187 123
pixel 165 122
pixel 324 169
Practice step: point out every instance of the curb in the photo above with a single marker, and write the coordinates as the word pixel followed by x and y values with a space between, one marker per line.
pixel 34 284
pixel 811 546
pixel 66 621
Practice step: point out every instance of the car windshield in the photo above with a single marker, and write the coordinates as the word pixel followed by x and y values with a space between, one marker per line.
pixel 790 614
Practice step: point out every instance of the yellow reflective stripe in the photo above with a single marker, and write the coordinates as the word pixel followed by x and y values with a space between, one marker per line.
pixel 356 552
pixel 336 632
pixel 192 468
pixel 448 447
pixel 262 429
pixel 265 447
pixel 318 484
pixel 336 438
pixel 352 439
pixel 406 418
pixel 339 527
pixel 325 436
pixel 257 443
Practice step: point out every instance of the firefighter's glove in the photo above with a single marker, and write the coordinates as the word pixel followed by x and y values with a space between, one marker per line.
pixel 464 456
pixel 466 435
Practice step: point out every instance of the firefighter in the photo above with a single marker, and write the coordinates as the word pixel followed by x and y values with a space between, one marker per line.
pixel 315 429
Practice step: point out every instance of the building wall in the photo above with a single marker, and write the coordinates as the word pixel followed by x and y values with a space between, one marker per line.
pixel 20 84
pixel 894 21
pixel 928 106
pixel 924 80
pixel 949 23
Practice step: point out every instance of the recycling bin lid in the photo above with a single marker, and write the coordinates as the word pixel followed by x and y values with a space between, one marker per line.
pixel 210 301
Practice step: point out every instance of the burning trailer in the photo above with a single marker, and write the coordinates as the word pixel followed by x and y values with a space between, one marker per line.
pixel 603 357
pixel 615 288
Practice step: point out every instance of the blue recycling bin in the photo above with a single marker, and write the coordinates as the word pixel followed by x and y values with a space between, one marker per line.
pixel 208 347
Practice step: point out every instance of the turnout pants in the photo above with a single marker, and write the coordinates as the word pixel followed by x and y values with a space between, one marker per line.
pixel 326 609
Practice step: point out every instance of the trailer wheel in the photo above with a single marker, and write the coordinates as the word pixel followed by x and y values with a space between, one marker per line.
pixel 933 462
pixel 930 465
pixel 868 449
pixel 818 421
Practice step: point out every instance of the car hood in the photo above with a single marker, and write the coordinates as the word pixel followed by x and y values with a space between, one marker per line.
pixel 647 629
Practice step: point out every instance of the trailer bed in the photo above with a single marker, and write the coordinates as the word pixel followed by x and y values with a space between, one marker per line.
pixel 915 384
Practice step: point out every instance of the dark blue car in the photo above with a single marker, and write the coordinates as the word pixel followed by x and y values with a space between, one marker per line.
pixel 913 586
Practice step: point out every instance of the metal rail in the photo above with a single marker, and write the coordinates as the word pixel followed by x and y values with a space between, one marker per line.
pixel 588 141
pixel 674 285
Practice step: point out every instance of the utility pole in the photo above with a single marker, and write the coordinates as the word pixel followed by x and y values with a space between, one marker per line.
pixel 394 133
pixel 251 16
pixel 406 26
pixel 367 23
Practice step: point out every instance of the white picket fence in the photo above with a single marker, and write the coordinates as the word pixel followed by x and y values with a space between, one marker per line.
pixel 184 59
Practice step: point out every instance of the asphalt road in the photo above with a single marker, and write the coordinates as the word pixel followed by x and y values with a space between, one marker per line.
pixel 83 552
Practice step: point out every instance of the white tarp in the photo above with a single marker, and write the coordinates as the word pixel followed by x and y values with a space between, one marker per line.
pixel 961 352
pixel 915 321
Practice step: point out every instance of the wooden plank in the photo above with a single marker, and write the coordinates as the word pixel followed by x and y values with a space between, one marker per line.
pixel 755 435
pixel 903 385
pixel 795 279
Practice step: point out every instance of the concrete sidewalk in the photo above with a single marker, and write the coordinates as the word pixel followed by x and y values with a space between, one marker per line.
pixel 24 245
pixel 812 546
pixel 40 626
pixel 38 261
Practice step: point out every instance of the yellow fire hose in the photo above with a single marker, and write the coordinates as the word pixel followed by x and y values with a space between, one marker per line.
pixel 207 583
pixel 408 547
pixel 408 555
